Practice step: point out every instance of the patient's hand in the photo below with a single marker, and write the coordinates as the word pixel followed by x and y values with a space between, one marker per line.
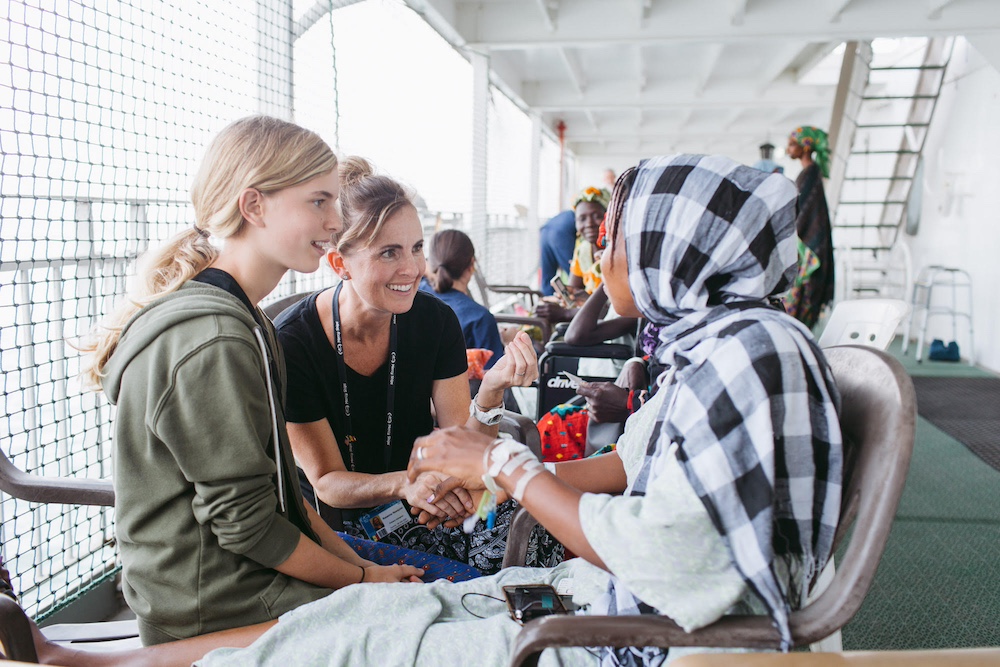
pixel 431 495
pixel 606 401
pixel 392 574
pixel 554 313
pixel 456 451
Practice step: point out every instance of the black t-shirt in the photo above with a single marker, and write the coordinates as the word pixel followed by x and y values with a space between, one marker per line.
pixel 430 347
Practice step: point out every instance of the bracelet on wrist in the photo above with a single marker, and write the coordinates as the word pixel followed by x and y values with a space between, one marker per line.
pixel 362 574
pixel 630 403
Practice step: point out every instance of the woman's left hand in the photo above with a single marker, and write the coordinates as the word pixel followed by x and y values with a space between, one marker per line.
pixel 455 451
pixel 518 367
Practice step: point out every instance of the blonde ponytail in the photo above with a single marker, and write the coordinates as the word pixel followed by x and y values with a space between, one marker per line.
pixel 259 152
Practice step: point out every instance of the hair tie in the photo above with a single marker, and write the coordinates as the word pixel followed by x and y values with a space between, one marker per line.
pixel 201 231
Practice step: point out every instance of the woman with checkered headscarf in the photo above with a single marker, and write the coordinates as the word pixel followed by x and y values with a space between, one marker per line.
pixel 812 288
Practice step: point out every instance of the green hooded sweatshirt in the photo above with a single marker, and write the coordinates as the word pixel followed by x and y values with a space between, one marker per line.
pixel 205 507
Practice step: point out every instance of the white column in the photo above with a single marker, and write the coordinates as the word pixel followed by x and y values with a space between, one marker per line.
pixel 480 117
pixel 533 172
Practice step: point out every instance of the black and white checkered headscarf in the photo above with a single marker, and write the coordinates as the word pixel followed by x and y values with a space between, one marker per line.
pixel 752 407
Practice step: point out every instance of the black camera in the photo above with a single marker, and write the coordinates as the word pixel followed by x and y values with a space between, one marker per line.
pixel 530 601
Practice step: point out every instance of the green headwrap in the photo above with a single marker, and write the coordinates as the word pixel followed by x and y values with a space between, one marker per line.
pixel 815 140
pixel 596 195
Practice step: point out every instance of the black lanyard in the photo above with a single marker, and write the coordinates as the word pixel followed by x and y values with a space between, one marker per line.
pixel 349 438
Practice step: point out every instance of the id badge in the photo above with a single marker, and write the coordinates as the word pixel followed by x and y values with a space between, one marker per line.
pixel 384 519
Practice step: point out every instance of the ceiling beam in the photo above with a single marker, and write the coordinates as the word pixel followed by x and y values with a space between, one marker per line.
pixel 819 52
pixel 739 12
pixel 590 119
pixel 550 13
pixel 643 68
pixel 785 56
pixel 708 64
pixel 685 118
pixel 836 9
pixel 611 137
pixel 585 23
pixel 695 105
pixel 645 7
pixel 934 8
pixel 575 71
pixel 621 94
pixel 731 118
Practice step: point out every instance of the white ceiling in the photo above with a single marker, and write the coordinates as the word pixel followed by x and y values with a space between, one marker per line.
pixel 632 78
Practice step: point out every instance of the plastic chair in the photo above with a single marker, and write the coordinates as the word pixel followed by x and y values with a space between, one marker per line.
pixel 878 420
pixel 870 322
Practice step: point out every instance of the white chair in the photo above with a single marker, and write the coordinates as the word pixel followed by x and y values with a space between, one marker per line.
pixel 870 322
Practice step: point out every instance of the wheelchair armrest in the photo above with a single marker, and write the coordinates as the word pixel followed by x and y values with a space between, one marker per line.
pixel 602 351
pixel 514 289
pixel 64 490
pixel 539 322
pixel 15 632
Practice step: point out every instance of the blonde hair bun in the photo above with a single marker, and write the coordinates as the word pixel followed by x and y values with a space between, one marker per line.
pixel 354 169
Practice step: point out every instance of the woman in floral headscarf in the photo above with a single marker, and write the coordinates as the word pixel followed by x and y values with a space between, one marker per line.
pixel 813 286
pixel 585 268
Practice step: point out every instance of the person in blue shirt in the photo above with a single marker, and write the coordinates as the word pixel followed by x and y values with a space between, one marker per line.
pixel 451 265
pixel 557 238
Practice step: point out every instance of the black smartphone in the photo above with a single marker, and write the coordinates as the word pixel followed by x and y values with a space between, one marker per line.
pixel 530 601
pixel 562 291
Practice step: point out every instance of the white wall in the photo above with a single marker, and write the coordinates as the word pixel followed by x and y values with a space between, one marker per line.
pixel 960 217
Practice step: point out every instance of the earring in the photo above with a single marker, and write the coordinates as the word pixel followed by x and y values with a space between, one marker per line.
pixel 347 276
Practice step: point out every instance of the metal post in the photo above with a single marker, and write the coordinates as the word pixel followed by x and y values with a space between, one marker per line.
pixel 533 172
pixel 480 118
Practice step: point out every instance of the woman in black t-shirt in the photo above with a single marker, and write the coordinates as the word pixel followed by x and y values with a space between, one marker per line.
pixel 367 360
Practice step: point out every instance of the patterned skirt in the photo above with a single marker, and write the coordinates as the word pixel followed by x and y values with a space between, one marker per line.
pixel 483 549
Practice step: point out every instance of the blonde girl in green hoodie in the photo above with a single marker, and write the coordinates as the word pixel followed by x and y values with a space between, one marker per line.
pixel 210 521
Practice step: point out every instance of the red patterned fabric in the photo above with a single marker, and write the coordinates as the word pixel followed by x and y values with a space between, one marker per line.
pixel 477 358
pixel 564 433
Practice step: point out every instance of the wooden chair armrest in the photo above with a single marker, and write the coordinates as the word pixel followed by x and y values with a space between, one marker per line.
pixel 641 630
pixel 516 551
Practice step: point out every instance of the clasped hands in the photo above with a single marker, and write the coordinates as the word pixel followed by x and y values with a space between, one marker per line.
pixel 438 496
pixel 455 454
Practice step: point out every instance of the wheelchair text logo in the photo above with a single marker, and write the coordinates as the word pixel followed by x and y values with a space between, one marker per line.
pixel 560 383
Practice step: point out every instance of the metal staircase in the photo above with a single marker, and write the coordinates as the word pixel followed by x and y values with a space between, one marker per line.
pixel 882 115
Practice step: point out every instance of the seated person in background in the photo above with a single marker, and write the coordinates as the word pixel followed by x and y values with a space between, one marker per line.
pixel 452 260
pixel 679 542
pixel 366 362
pixel 585 269
pixel 556 238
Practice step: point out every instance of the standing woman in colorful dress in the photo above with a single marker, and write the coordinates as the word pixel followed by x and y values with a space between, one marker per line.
pixel 813 286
